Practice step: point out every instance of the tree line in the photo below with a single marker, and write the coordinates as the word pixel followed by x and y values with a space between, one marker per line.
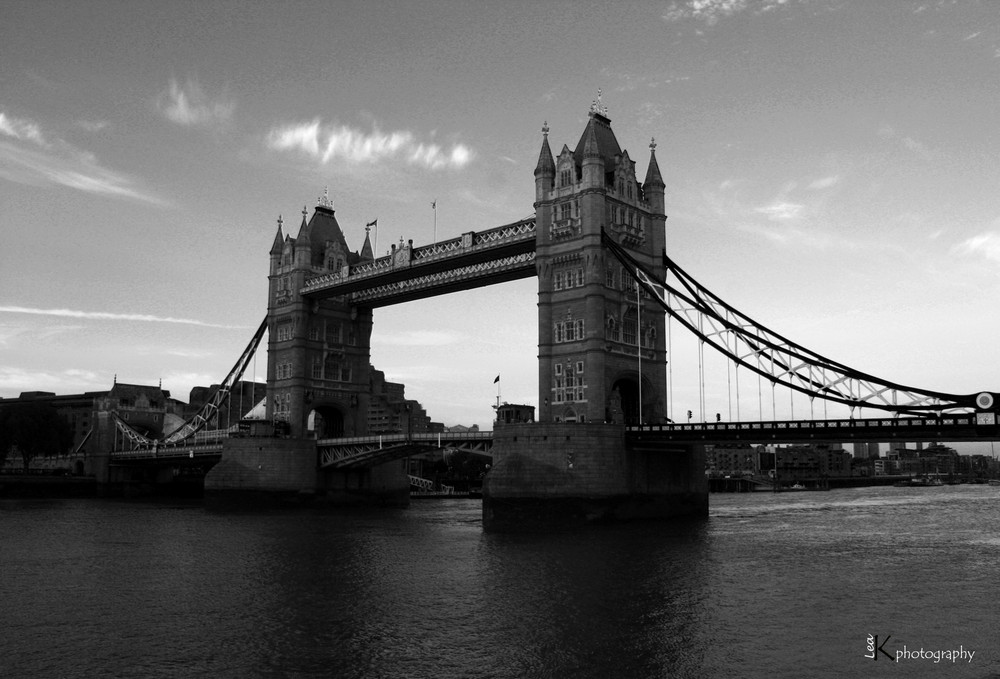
pixel 31 429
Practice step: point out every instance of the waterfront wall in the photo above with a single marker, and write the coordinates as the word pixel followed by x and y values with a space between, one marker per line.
pixel 552 474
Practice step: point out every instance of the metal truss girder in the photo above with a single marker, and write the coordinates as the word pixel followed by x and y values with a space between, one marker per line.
pixel 460 278
pixel 958 427
pixel 198 421
pixel 774 357
pixel 221 395
pixel 469 248
pixel 364 451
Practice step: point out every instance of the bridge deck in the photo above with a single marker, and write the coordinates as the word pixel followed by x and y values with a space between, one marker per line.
pixel 361 451
pixel 945 428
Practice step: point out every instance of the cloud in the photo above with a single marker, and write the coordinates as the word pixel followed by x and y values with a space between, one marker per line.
pixel 21 129
pixel 326 143
pixel 710 11
pixel 14 380
pixel 44 161
pixel 108 316
pixel 824 183
pixel 188 105
pixel 781 210
pixel 985 244
pixel 909 143
pixel 93 125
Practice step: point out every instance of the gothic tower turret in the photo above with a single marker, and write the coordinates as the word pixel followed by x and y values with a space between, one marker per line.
pixel 602 354
pixel 318 349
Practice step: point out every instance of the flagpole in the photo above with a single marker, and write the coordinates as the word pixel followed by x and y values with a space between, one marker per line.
pixel 638 338
pixel 434 206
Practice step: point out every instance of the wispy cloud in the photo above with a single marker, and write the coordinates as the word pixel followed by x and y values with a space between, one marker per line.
pixel 93 125
pixel 17 379
pixel 21 129
pixel 109 316
pixel 890 133
pixel 710 11
pixel 985 245
pixel 781 211
pixel 326 143
pixel 188 105
pixel 28 156
pixel 824 182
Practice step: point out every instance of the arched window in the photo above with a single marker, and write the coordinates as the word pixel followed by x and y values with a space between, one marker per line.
pixel 629 327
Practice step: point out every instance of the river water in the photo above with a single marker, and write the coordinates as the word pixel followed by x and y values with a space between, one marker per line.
pixel 787 585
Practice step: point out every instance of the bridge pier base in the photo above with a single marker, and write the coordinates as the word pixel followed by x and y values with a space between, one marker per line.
pixel 285 471
pixel 553 475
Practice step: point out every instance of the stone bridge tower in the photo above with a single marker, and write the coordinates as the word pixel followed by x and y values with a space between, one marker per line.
pixel 318 350
pixel 592 327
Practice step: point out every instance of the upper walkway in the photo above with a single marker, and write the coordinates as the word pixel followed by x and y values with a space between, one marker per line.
pixel 472 260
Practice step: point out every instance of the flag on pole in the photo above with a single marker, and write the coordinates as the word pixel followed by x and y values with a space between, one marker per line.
pixel 496 380
pixel 374 222
pixel 434 204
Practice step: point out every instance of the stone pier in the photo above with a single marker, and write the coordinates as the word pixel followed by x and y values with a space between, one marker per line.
pixel 285 471
pixel 549 475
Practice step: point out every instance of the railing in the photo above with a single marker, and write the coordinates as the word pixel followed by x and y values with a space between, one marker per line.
pixel 909 423
pixel 957 427
pixel 408 255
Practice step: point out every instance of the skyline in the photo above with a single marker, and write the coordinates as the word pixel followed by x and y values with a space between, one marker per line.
pixel 831 170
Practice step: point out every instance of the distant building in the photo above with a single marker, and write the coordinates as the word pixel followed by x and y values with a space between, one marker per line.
pixel 390 412
pixel 148 409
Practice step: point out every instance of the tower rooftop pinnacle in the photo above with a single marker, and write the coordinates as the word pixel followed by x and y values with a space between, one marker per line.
pixel 599 135
pixel 546 165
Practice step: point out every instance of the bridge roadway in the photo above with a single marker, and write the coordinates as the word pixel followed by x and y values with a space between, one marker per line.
pixel 364 451
pixel 472 260
pixel 963 427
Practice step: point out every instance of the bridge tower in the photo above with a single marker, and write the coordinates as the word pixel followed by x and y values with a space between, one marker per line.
pixel 318 350
pixel 601 346
pixel 601 354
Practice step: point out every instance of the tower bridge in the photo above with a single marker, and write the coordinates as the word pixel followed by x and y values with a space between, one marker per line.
pixel 603 445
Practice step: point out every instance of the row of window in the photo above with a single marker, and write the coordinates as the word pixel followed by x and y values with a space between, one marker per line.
pixel 569 331
pixel 568 384
pixel 567 210
pixel 627 330
pixel 282 403
pixel 620 278
pixel 331 370
pixel 571 278
pixel 336 333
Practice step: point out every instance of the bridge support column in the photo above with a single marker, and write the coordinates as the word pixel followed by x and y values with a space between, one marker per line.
pixel 285 471
pixel 550 475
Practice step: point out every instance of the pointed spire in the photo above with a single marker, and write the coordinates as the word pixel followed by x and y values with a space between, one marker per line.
pixel 366 250
pixel 546 165
pixel 591 149
pixel 653 176
pixel 279 239
pixel 303 236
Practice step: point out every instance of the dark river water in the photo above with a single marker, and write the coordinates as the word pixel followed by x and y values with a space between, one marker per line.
pixel 788 585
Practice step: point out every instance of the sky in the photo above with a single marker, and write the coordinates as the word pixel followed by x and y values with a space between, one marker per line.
pixel 832 170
